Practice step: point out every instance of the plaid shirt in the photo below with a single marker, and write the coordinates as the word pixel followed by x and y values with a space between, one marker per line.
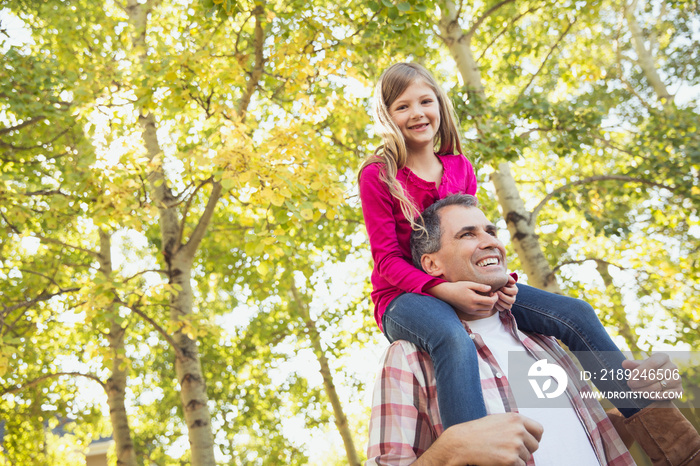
pixel 406 421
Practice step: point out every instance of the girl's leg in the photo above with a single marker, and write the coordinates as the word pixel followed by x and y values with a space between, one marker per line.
pixel 433 326
pixel 575 323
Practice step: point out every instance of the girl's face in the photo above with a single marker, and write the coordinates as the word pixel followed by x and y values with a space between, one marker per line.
pixel 417 114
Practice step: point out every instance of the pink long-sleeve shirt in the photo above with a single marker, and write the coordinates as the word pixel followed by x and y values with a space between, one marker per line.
pixel 389 232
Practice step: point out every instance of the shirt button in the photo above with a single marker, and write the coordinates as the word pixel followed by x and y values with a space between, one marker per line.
pixel 471 335
pixel 498 375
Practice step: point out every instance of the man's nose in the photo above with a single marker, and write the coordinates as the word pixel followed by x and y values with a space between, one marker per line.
pixel 488 241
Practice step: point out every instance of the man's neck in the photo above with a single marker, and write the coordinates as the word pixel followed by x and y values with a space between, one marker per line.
pixel 471 317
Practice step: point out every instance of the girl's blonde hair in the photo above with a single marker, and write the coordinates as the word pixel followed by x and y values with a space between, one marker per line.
pixel 392 153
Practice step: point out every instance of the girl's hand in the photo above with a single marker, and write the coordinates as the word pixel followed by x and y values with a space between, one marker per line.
pixel 654 375
pixel 506 295
pixel 475 299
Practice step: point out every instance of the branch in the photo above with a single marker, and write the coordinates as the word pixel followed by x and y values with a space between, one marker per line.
pixel 23 124
pixel 188 203
pixel 631 89
pixel 256 74
pixel 18 148
pixel 503 31
pixel 31 383
pixel 595 179
pixel 40 298
pixel 60 243
pixel 204 220
pixel 143 272
pixel 178 352
pixel 46 192
pixel 551 51
pixel 612 146
pixel 483 17
pixel 11 225
pixel 50 279
pixel 579 262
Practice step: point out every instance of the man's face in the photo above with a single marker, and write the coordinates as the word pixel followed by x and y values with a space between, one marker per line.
pixel 470 249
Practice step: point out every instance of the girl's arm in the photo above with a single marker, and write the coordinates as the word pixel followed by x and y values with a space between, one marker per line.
pixel 392 264
pixel 389 261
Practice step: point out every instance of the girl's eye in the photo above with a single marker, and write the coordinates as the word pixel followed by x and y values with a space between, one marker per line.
pixel 427 101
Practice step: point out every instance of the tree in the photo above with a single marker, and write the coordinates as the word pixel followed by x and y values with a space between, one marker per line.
pixel 209 136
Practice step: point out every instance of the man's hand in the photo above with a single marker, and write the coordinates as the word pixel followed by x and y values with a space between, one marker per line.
pixel 655 374
pixel 496 440
pixel 506 295
pixel 471 298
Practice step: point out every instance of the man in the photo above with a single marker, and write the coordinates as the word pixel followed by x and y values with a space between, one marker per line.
pixel 405 424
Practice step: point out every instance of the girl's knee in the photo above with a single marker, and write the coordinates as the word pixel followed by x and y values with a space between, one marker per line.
pixel 578 310
pixel 456 341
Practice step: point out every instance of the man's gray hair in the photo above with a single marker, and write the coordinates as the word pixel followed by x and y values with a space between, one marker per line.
pixel 426 239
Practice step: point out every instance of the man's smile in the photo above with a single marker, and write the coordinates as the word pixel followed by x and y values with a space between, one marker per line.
pixel 488 261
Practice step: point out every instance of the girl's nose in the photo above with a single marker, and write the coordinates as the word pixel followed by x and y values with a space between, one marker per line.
pixel 416 111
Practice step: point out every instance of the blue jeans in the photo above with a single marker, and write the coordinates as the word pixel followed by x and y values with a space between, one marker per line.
pixel 575 323
pixel 433 326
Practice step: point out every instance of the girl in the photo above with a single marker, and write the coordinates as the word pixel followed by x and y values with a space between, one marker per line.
pixel 406 174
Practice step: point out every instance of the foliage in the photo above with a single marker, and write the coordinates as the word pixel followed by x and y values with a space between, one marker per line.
pixel 257 99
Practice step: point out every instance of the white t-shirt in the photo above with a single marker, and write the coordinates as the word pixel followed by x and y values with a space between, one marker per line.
pixel 564 440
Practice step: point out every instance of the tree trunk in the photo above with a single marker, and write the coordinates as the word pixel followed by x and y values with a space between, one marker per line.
pixel 188 368
pixel 116 384
pixel 645 58
pixel 521 223
pixel 618 311
pixel 178 258
pixel 460 48
pixel 341 420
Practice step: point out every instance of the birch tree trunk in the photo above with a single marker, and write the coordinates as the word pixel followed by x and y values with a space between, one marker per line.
pixel 521 223
pixel 618 310
pixel 115 387
pixel 645 58
pixel 179 258
pixel 341 421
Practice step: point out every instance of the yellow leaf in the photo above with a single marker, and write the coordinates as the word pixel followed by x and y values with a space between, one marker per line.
pixel 262 268
pixel 277 199
pixel 306 214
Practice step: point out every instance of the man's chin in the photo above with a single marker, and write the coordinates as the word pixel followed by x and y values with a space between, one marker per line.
pixel 498 283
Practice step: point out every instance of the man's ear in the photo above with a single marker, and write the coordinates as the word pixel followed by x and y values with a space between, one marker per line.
pixel 431 265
